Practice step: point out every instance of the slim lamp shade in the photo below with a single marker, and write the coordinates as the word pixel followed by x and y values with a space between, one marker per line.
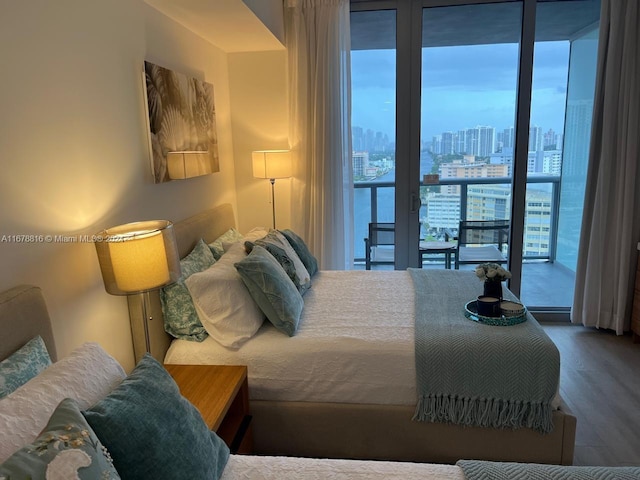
pixel 138 257
pixel 271 163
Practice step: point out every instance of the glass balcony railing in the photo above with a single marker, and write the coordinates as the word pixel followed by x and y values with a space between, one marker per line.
pixel 453 199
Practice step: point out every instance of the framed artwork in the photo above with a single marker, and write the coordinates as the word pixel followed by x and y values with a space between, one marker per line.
pixel 182 125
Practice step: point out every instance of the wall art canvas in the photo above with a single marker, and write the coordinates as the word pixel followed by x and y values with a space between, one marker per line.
pixel 182 124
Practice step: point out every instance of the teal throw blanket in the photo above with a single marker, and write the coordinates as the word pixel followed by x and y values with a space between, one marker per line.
pixel 481 470
pixel 474 374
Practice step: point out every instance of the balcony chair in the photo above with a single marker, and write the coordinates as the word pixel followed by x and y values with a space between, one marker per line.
pixel 481 241
pixel 379 247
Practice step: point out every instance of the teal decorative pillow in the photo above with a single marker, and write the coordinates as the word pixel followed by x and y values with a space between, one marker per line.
pixel 302 250
pixel 180 316
pixel 272 289
pixel 66 449
pixel 278 246
pixel 23 365
pixel 281 256
pixel 217 246
pixel 154 432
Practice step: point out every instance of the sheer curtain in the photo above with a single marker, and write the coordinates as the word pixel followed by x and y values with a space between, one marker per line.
pixel 611 219
pixel 318 44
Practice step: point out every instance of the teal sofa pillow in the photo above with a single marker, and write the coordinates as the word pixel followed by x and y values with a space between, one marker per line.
pixel 22 365
pixel 310 262
pixel 272 289
pixel 67 448
pixel 180 316
pixel 153 432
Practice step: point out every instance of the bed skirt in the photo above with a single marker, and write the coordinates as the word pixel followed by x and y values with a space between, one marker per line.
pixel 386 432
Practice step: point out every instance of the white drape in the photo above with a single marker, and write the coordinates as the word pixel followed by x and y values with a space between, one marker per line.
pixel 611 219
pixel 318 43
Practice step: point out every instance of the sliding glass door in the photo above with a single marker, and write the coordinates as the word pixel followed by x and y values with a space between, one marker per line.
pixel 474 110
pixel 373 127
pixel 470 57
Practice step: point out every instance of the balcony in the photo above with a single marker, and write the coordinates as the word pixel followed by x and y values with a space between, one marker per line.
pixel 546 282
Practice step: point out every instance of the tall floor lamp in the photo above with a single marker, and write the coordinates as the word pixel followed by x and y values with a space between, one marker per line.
pixel 272 164
pixel 136 258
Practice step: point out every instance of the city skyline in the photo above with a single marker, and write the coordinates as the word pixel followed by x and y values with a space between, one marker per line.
pixel 540 138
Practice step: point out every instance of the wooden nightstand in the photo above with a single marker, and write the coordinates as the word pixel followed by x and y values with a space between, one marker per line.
pixel 221 394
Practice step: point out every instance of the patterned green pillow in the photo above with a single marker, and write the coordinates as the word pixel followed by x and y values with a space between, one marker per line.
pixel 217 246
pixel 66 449
pixel 302 250
pixel 23 365
pixel 180 316
pixel 272 289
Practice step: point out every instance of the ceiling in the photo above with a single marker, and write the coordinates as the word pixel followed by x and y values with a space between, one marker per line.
pixel 228 24
pixel 235 26
pixel 481 24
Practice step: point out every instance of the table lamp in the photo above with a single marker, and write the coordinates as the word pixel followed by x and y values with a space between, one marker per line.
pixel 136 258
pixel 272 164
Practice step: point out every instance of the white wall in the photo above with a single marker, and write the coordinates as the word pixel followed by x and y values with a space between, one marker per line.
pixel 73 148
pixel 259 120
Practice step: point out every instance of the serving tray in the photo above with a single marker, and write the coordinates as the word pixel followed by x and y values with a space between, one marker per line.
pixel 471 312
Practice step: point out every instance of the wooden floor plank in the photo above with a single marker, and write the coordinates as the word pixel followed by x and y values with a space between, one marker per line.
pixel 600 383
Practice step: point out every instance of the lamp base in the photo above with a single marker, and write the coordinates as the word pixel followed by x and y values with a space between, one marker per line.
pixel 158 340
pixel 273 201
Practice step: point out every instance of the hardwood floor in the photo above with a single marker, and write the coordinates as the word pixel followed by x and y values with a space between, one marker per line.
pixel 600 383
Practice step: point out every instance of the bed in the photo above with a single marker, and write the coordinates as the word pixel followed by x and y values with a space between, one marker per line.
pixel 331 422
pixel 89 370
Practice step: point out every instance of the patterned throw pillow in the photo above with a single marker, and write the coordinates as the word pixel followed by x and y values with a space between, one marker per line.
pixel 23 365
pixel 180 316
pixel 153 432
pixel 217 246
pixel 272 289
pixel 67 449
pixel 301 278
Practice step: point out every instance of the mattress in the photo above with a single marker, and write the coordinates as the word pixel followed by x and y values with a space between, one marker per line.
pixel 240 467
pixel 350 347
pixel 355 344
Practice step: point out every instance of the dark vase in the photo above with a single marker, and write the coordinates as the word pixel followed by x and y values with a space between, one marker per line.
pixel 493 288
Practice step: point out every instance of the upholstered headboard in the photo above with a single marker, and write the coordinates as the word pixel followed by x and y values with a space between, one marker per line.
pixel 207 225
pixel 23 315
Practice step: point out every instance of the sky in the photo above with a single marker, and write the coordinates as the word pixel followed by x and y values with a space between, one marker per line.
pixel 462 86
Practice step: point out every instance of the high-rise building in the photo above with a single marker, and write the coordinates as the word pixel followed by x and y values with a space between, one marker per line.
pixel 357 139
pixel 535 138
pixel 448 146
pixel 486 140
pixel 360 162
pixel 461 141
pixel 507 138
pixel 550 139
pixel 552 162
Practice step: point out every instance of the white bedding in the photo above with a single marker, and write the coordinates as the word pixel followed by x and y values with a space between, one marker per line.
pixel 349 348
pixel 242 467
pixel 352 349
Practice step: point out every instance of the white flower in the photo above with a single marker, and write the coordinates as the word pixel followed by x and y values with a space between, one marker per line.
pixel 493 272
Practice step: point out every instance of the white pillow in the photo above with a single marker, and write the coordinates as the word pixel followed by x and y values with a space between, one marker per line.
pixel 224 305
pixel 86 375
pixel 254 234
